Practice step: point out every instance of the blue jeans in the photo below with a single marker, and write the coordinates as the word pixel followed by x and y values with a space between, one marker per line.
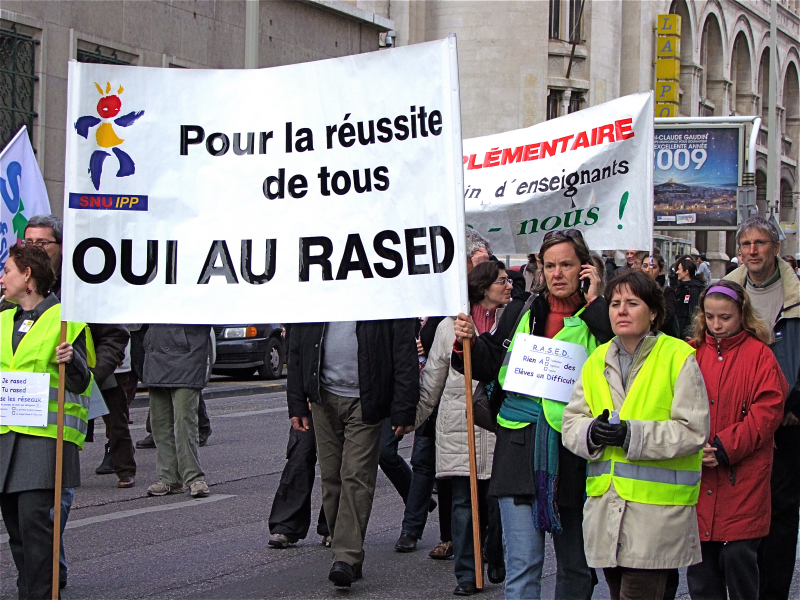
pixel 391 463
pixel 463 547
pixel 423 476
pixel 523 544
pixel 524 547
pixel 67 496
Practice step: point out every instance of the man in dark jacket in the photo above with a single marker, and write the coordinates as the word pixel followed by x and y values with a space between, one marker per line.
pixel 175 366
pixel 351 376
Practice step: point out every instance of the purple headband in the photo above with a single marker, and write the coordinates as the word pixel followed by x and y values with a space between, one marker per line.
pixel 721 289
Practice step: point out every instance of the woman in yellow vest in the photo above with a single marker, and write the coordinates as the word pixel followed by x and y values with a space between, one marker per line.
pixel 639 415
pixel 29 342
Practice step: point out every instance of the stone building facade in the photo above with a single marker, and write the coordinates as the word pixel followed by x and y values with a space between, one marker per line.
pixel 521 61
pixel 518 68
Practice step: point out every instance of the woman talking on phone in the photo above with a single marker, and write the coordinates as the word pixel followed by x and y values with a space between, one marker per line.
pixel 528 455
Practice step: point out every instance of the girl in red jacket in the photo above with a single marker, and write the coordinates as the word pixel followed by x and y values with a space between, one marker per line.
pixel 746 391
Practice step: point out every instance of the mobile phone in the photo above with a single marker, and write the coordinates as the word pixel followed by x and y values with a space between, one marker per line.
pixel 585 285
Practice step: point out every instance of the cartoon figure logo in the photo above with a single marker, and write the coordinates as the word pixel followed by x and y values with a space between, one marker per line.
pixel 108 107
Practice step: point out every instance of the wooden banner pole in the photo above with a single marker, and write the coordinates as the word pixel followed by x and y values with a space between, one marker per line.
pixel 473 466
pixel 59 466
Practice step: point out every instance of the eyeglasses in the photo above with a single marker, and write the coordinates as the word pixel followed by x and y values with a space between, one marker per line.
pixel 569 233
pixel 757 244
pixel 38 243
pixel 502 281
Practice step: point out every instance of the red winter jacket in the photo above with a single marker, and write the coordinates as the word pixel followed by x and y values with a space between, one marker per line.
pixel 746 392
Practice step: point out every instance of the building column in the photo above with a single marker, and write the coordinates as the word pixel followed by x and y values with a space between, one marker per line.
pixel 251 30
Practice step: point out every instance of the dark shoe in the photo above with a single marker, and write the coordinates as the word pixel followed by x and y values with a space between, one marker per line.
pixel 126 482
pixel 62 583
pixel 342 574
pixel 406 543
pixel 147 442
pixel 432 505
pixel 468 588
pixel 442 551
pixel 496 573
pixel 107 466
pixel 203 437
pixel 281 540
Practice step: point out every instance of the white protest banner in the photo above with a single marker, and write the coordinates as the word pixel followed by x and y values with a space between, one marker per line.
pixel 591 170
pixel 328 190
pixel 22 189
pixel 544 368
pixel 23 398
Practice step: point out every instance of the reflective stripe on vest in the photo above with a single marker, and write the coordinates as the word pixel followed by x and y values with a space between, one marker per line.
pixel 574 331
pixel 36 354
pixel 668 482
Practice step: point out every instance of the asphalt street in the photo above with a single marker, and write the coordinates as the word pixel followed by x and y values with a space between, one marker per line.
pixel 123 544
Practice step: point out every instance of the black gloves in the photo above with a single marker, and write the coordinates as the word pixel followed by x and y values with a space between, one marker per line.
pixel 603 433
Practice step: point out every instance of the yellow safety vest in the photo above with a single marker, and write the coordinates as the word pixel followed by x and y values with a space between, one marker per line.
pixel 575 331
pixel 36 353
pixel 668 482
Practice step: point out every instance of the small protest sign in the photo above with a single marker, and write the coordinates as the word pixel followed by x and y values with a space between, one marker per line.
pixel 544 368
pixel 24 398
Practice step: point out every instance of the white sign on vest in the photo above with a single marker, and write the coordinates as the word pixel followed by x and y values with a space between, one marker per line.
pixel 544 368
pixel 24 398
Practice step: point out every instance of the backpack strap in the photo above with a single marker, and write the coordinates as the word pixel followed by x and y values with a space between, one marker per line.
pixel 525 308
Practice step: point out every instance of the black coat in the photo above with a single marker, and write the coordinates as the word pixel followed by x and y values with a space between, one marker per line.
pixel 509 477
pixel 388 369
pixel 687 297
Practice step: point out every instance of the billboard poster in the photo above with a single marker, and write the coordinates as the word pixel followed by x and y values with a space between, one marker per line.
pixel 696 172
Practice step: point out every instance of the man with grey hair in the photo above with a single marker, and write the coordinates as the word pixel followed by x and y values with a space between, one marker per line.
pixel 478 248
pixel 774 291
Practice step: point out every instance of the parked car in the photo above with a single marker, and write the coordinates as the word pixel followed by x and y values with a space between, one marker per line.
pixel 242 350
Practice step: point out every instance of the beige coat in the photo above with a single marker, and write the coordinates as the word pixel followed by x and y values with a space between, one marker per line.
pixel 630 534
pixel 443 385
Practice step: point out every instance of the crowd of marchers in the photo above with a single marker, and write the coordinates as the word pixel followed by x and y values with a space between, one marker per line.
pixel 679 446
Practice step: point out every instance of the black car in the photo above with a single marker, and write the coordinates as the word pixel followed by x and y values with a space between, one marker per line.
pixel 244 349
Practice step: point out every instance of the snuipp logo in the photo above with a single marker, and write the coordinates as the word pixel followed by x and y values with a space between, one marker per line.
pixel 108 107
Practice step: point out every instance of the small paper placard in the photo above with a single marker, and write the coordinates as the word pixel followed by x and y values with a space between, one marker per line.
pixel 544 368
pixel 23 399
pixel 97 406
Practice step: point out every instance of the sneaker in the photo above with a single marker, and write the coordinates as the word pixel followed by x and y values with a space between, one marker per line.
pixel 107 466
pixel 199 489
pixel 162 489
pixel 147 442
pixel 202 437
pixel 281 540
pixel 326 541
